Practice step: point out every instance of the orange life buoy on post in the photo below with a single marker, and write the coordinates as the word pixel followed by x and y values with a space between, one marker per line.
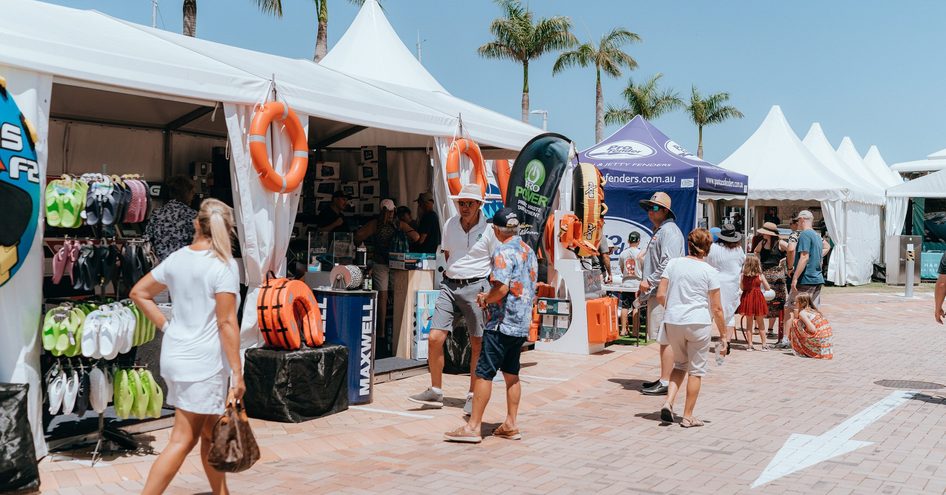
pixel 264 116
pixel 289 315
pixel 472 151
pixel 502 172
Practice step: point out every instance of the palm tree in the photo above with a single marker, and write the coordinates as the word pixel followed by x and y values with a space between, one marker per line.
pixel 710 110
pixel 646 100
pixel 607 56
pixel 190 18
pixel 321 37
pixel 519 39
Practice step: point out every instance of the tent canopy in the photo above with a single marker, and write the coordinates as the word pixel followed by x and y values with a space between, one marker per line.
pixel 876 163
pixel 928 186
pixel 784 169
pixel 817 142
pixel 371 51
pixel 640 157
pixel 849 154
pixel 933 162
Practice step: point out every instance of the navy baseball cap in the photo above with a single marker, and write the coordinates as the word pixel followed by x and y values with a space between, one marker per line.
pixel 506 217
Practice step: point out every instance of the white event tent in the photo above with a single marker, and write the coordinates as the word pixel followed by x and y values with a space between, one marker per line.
pixel 104 91
pixel 785 170
pixel 933 162
pixel 875 161
pixel 372 51
pixel 838 163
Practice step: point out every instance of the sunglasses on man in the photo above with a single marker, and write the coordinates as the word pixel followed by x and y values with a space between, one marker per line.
pixel 467 204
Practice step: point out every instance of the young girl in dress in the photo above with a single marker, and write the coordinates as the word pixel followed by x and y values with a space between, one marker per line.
pixel 809 331
pixel 752 303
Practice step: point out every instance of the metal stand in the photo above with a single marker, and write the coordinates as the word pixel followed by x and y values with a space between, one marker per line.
pixel 97 453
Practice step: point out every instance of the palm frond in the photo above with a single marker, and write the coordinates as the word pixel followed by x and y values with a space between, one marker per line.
pixel 495 49
pixel 618 115
pixel 579 57
pixel 273 7
pixel 552 33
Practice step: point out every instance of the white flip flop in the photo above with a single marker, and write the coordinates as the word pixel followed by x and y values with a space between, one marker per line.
pixel 72 390
pixel 54 391
pixel 109 334
pixel 98 395
pixel 90 335
pixel 128 335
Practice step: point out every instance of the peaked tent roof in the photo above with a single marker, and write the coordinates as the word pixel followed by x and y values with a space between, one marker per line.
pixel 640 149
pixel 371 51
pixel 928 186
pixel 782 167
pixel 816 141
pixel 849 155
pixel 932 163
pixel 876 162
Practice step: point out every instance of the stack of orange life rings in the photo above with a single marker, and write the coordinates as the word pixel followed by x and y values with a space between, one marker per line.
pixel 469 148
pixel 264 116
pixel 589 207
pixel 289 315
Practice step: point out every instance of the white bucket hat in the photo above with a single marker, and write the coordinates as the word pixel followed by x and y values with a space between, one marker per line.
pixel 470 191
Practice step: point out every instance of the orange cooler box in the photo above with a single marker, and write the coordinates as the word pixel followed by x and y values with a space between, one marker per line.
pixel 602 320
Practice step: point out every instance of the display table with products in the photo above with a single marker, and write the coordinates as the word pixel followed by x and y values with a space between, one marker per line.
pixel 405 284
pixel 296 386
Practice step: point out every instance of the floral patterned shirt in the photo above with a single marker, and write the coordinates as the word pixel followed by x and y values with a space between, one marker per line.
pixel 170 228
pixel 513 265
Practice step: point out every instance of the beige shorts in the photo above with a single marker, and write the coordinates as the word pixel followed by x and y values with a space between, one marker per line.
pixel 813 290
pixel 655 320
pixel 690 344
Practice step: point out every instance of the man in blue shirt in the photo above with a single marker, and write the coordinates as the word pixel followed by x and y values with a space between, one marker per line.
pixel 509 304
pixel 808 252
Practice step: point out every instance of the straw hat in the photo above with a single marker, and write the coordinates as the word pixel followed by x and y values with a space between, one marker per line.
pixel 660 199
pixel 768 228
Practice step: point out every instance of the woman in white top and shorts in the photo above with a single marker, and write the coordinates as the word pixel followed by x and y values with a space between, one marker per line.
pixel 200 351
pixel 689 289
pixel 727 256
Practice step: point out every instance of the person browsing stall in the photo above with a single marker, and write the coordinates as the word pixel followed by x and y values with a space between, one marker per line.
pixel 200 353
pixel 382 232
pixel 332 217
pixel 807 277
pixel 666 244
pixel 509 303
pixel 426 237
pixel 171 226
pixel 467 245
pixel 630 279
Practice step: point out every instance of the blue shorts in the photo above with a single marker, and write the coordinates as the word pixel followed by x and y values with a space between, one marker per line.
pixel 500 352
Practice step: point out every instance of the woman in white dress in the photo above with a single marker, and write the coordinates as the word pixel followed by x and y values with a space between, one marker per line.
pixel 200 351
pixel 727 257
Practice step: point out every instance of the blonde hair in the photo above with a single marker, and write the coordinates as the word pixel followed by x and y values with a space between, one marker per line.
pixel 215 220
pixel 752 267
pixel 804 301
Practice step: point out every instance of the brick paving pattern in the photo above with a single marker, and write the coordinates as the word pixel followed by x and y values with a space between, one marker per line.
pixel 587 429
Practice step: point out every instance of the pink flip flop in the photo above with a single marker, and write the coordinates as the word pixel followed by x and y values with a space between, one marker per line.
pixel 59 262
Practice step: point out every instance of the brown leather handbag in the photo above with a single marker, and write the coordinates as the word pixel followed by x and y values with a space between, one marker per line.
pixel 233 448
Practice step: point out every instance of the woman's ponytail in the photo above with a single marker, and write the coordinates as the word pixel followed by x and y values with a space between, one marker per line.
pixel 216 223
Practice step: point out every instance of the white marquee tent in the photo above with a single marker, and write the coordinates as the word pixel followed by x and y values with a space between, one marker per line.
pixel 848 153
pixel 816 142
pixel 933 162
pixel 784 170
pixel 875 161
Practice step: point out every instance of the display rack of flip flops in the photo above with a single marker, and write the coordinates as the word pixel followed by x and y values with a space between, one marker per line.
pixel 89 346
pixel 90 340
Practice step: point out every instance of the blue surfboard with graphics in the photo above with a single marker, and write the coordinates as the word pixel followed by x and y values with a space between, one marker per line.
pixel 19 186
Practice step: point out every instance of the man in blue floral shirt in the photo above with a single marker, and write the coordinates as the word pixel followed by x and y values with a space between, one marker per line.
pixel 509 304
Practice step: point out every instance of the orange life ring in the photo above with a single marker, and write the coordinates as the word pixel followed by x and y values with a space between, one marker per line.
pixel 502 172
pixel 472 151
pixel 264 116
pixel 289 315
pixel 550 238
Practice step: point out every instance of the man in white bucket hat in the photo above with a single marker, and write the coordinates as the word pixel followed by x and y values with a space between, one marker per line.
pixel 468 243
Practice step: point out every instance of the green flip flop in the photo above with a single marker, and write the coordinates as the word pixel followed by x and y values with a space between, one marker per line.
pixel 53 205
pixel 75 323
pixel 79 196
pixel 142 394
pixel 157 398
pixel 49 329
pixel 123 398
pixel 61 335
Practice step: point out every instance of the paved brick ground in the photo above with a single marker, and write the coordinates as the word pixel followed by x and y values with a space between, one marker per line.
pixel 587 429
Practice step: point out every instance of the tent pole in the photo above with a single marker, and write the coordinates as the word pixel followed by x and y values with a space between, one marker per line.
pixel 745 223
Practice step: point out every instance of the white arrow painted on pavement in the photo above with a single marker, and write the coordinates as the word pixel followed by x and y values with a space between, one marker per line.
pixel 802 451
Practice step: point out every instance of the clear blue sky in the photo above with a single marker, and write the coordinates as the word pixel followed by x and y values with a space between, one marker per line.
pixel 870 69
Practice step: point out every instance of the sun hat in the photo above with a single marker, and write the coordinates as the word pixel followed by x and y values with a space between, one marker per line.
pixel 387 204
pixel 506 217
pixel 470 191
pixel 768 228
pixel 660 199
pixel 729 233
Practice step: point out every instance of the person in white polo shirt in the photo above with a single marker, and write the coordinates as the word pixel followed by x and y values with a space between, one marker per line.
pixel 467 245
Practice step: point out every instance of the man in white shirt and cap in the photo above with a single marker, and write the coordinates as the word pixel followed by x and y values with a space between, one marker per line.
pixel 468 243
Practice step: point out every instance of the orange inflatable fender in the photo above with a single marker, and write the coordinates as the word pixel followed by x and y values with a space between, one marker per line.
pixel 590 207
pixel 264 116
pixel 502 171
pixel 472 151
pixel 569 232
pixel 289 315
